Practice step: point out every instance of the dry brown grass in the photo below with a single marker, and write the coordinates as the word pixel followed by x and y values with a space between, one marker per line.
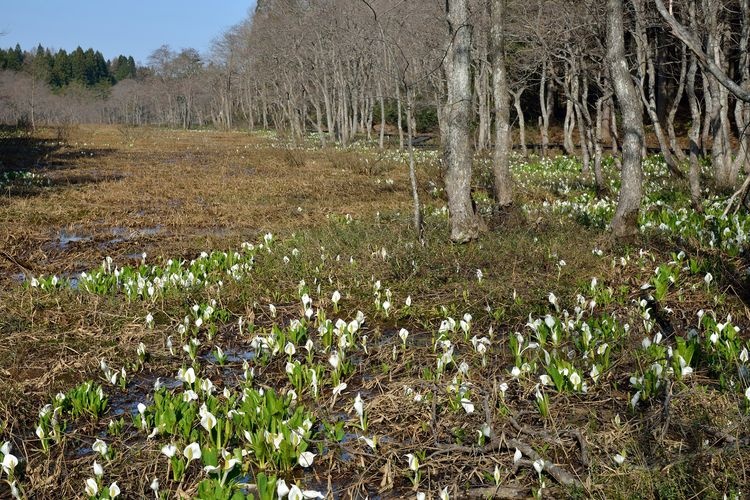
pixel 175 192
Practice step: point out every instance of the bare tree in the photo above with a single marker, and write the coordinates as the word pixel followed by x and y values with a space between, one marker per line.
pixel 707 61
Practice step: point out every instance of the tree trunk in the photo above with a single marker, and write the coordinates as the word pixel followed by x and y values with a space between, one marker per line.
pixel 625 221
pixel 483 127
pixel 521 121
pixel 675 106
pixel 570 117
pixel 647 73
pixel 418 226
pixel 695 131
pixel 398 124
pixel 319 124
pixel 613 132
pixel 583 124
pixel 382 115
pixel 598 175
pixel 503 188
pixel 742 109
pixel 719 147
pixel 544 106
pixel 458 154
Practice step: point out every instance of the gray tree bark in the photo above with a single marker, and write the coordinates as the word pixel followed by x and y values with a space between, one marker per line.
pixel 742 109
pixel 694 134
pixel 625 221
pixel 457 149
pixel 417 211
pixel 503 187
pixel 521 122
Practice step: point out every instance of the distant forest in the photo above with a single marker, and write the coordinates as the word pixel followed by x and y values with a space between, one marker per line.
pixel 60 69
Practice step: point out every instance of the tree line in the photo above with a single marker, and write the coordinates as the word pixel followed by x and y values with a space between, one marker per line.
pixel 60 69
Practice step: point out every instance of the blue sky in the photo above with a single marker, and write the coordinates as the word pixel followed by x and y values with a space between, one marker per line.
pixel 129 27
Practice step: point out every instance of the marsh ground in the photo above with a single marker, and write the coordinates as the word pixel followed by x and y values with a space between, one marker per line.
pixel 462 397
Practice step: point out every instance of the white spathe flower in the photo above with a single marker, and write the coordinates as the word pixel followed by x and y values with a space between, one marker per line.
pixel 282 489
pixel 98 469
pixel 708 278
pixel 517 456
pixel 359 405
pixel 619 459
pixel 539 465
pixel 413 461
pixel 9 463
pixel 549 321
pixel 744 355
pixel 169 450
pixel 408 301
pixel 372 443
pixel 336 297
pixel 155 486
pixel 192 452
pixel 295 493
pixel 91 487
pixel 515 372
pixel 334 360
pixel 468 405
pixel 208 421
pixel 189 395
pixel 403 334
pixel 496 474
pixel 747 393
pixel 553 300
pixel 114 490
pixel 337 390
pixel 289 349
pixel 421 495
pixel 207 386
pixel 306 459
pixel 575 379
pixel 100 447
pixel 14 490
pixel 594 374
pixel 443 495
pixel 189 376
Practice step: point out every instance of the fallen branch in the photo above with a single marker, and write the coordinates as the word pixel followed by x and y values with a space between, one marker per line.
pixel 502 444
pixel 559 474
pixel 496 492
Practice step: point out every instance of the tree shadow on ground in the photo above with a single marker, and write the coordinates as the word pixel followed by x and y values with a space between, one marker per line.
pixel 52 159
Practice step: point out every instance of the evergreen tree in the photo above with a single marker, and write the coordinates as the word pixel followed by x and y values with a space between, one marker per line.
pixel 14 58
pixel 78 66
pixel 61 70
